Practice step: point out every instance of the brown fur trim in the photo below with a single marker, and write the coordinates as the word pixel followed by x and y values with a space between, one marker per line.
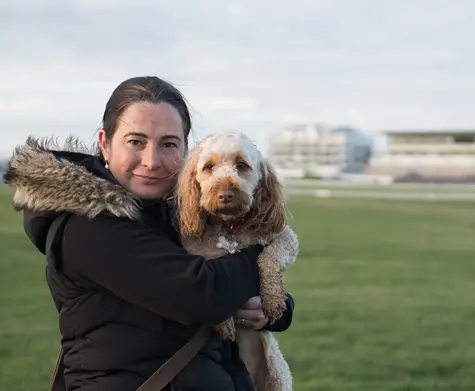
pixel 44 183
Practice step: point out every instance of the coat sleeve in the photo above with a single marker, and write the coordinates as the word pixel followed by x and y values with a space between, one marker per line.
pixel 285 320
pixel 144 267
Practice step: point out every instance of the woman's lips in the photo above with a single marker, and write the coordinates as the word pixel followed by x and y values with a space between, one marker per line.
pixel 146 179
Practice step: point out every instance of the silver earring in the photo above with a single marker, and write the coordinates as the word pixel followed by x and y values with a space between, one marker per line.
pixel 107 165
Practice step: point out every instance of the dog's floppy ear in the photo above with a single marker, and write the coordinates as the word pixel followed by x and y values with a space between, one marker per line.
pixel 268 213
pixel 190 217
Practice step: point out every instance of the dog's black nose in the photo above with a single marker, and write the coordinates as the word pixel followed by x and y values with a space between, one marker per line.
pixel 225 196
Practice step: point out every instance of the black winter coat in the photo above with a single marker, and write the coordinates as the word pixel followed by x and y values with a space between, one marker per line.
pixel 129 295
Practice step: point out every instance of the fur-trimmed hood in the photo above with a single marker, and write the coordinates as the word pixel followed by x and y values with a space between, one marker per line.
pixel 47 178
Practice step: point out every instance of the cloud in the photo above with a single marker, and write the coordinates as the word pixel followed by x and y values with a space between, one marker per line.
pixel 253 66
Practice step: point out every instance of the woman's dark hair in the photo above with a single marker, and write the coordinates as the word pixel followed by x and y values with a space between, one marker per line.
pixel 143 89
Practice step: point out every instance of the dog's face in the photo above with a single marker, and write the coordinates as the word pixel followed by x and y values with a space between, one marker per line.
pixel 226 176
pixel 227 171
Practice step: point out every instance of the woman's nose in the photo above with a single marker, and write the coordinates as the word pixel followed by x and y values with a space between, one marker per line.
pixel 151 158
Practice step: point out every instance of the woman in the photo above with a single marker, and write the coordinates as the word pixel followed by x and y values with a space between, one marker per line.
pixel 128 294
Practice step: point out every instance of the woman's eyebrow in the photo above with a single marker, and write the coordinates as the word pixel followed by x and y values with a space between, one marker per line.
pixel 170 137
pixel 137 134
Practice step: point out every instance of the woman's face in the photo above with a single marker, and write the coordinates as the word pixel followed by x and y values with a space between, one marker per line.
pixel 147 149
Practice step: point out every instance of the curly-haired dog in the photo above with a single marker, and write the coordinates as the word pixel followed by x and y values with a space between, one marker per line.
pixel 229 197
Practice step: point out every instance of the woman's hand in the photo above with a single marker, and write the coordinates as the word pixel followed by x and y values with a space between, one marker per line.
pixel 250 316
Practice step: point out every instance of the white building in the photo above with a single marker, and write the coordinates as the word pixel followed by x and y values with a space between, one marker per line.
pixel 317 150
pixel 434 155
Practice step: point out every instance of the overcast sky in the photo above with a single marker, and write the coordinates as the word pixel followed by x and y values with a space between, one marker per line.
pixel 253 65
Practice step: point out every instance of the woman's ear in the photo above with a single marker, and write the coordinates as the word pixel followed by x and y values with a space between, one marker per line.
pixel 103 144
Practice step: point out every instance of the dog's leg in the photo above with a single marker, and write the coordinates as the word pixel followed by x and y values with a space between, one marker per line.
pixel 278 376
pixel 260 352
pixel 252 354
pixel 277 256
pixel 272 290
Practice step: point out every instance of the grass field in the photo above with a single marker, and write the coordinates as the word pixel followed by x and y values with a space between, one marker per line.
pixel 383 290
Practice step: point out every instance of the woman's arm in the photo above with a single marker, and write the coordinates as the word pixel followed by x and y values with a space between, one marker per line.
pixel 146 268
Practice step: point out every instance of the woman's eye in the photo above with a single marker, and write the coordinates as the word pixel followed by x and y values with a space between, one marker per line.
pixel 170 145
pixel 134 143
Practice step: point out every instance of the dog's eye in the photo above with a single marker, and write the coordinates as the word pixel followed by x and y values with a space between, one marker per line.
pixel 242 166
pixel 208 167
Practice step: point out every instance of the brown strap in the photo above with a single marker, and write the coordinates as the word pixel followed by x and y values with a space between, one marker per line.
pixel 165 374
pixel 57 381
pixel 162 377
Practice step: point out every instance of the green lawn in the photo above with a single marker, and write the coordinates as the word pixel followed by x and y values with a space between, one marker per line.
pixel 383 290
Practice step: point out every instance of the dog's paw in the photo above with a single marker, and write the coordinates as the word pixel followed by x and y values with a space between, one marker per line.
pixel 226 330
pixel 273 307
